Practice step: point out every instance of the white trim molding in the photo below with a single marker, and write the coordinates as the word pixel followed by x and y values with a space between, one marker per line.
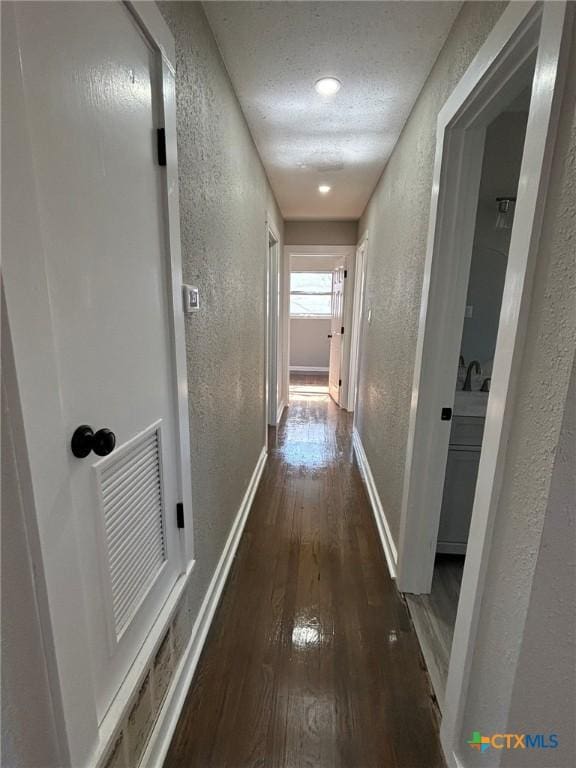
pixel 357 323
pixel 273 322
pixel 124 700
pixel 384 531
pixel 309 369
pixel 167 720
pixel 280 411
pixel 347 253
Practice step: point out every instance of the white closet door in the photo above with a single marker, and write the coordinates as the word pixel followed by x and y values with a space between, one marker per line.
pixel 92 99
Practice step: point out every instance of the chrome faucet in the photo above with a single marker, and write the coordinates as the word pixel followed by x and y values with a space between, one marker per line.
pixel 468 380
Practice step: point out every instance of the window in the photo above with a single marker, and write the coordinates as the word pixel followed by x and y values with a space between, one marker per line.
pixel 310 294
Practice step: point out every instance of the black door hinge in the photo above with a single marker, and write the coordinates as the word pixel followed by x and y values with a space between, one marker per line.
pixel 446 414
pixel 180 515
pixel 339 382
pixel 345 273
pixel 342 330
pixel 161 145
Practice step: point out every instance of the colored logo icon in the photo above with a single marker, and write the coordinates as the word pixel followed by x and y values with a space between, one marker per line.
pixel 479 742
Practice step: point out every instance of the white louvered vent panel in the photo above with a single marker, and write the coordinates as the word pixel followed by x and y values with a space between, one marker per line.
pixel 132 498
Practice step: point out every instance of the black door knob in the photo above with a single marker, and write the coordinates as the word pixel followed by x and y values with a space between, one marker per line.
pixel 84 440
pixel 104 442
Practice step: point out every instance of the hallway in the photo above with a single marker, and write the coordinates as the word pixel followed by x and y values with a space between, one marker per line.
pixel 311 659
pixel 288 352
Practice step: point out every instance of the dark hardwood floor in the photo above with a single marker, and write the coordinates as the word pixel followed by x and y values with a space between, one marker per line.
pixel 311 659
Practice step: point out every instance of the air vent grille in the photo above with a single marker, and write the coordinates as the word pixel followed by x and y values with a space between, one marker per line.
pixel 133 511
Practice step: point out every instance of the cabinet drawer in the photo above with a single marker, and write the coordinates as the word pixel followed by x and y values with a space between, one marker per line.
pixel 466 430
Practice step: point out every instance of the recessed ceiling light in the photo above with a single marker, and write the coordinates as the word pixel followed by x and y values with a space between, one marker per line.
pixel 327 86
pixel 324 189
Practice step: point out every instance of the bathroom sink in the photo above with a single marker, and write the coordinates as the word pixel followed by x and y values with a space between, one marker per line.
pixel 470 403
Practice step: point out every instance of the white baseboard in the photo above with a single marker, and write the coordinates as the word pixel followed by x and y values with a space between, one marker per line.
pixel 166 723
pixel 388 545
pixel 308 369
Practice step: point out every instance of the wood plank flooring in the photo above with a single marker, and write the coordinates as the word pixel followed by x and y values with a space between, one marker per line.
pixel 311 660
pixel 434 617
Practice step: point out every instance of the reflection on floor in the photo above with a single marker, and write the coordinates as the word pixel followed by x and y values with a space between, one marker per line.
pixel 308 384
pixel 434 616
pixel 311 659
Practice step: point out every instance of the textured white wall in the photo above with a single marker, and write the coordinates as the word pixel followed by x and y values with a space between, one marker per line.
pixel 224 197
pixel 315 263
pixel 543 679
pixel 309 343
pixel 500 174
pixel 397 222
pixel 321 232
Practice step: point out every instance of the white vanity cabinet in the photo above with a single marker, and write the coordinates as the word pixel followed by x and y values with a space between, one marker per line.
pixel 460 483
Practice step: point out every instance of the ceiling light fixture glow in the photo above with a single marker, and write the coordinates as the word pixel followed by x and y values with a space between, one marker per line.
pixel 324 189
pixel 327 86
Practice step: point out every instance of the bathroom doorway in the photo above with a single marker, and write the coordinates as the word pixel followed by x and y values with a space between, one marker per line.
pixel 434 614
pixel 526 49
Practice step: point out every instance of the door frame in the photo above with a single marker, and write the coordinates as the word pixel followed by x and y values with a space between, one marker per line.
pixel 273 404
pixel 337 331
pixel 32 378
pixel 523 31
pixel 347 253
pixel 356 325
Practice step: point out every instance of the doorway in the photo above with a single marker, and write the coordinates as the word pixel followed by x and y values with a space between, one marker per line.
pixel 319 316
pixel 357 327
pixel 274 403
pixel 527 46
pixel 434 615
pixel 336 334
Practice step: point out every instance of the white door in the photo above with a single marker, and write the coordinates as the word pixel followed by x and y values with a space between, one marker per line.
pixel 273 321
pixel 336 326
pixel 93 109
pixel 357 324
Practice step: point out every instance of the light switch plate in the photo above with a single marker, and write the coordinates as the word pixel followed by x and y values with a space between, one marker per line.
pixel 191 298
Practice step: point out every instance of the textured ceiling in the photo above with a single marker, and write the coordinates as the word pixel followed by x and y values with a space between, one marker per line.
pixel 275 51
